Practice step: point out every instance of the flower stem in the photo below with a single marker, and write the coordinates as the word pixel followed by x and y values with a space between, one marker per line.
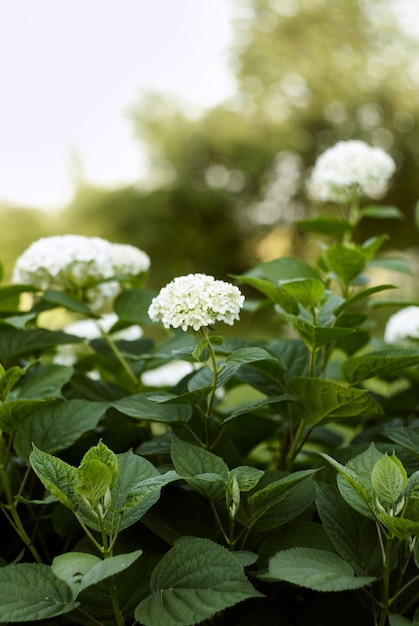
pixel 123 362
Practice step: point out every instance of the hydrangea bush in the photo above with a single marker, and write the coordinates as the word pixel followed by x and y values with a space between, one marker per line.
pixel 196 475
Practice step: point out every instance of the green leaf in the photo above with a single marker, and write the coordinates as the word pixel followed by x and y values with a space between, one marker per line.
pixel 393 264
pixel 317 336
pixel 247 477
pixel 194 580
pixel 381 363
pixel 316 569
pixel 8 380
pixel 65 300
pixel 15 412
pixel 277 503
pixel 355 491
pixel 58 477
pixel 353 536
pixel 275 293
pixel 388 479
pixel 204 471
pixel 344 261
pixel 31 591
pixel 102 453
pixel 285 268
pixel 15 342
pixel 57 426
pixel 382 212
pixel 45 381
pixel 325 400
pixel 132 305
pixel 81 570
pixel 248 355
pixel 137 488
pixel 326 225
pixel 361 295
pixel 399 620
pixel 94 480
pixel 308 291
pixel 140 406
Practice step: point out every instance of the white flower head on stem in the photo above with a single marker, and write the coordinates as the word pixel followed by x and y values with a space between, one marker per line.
pixel 403 325
pixel 351 169
pixel 74 263
pixel 196 301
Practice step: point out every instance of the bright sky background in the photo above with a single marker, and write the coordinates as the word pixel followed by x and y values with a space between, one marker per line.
pixel 70 69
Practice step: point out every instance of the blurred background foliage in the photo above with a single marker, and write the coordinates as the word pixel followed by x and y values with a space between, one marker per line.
pixel 224 189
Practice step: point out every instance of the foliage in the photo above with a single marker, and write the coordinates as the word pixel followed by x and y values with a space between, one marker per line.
pixel 276 481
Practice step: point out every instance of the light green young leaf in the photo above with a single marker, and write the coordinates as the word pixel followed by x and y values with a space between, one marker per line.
pixel 104 455
pixel 94 480
pixel 194 580
pixel 381 212
pixel 275 293
pixel 400 527
pixel 8 380
pixel 81 570
pixel 388 479
pixel 316 569
pixel 361 295
pixel 326 225
pixel 246 476
pixel 31 592
pixel 58 477
pixel 399 620
pixel 325 400
pixel 344 261
pixel 308 291
pixel 352 488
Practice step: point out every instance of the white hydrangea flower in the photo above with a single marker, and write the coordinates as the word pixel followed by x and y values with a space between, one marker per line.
pixel 196 301
pixel 402 325
pixel 68 354
pixel 129 260
pixel 74 262
pixel 351 169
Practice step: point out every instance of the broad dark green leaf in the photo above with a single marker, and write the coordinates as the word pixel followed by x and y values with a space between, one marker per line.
pixel 140 406
pixel 194 580
pixel 15 342
pixel 204 471
pixel 326 225
pixel 324 400
pixel 376 364
pixel 344 261
pixel 31 592
pixel 65 300
pixel 248 355
pixel 57 426
pixel 47 380
pixel 317 336
pixel 316 569
pixel 132 305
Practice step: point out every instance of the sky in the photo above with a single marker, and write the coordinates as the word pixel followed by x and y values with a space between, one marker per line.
pixel 71 69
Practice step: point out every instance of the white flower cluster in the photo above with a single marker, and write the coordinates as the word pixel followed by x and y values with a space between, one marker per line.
pixel 403 325
pixel 196 301
pixel 73 262
pixel 68 354
pixel 351 169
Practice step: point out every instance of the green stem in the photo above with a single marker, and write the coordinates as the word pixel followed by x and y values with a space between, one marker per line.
pixel 123 362
pixel 296 445
pixel 12 508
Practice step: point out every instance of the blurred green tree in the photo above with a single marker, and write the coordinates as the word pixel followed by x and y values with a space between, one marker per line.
pixel 309 73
